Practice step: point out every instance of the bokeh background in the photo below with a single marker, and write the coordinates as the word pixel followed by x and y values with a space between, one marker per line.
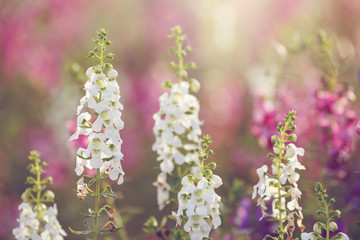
pixel 257 60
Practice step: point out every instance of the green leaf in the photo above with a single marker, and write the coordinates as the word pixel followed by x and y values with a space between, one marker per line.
pixel 88 214
pixel 109 196
pixel 85 232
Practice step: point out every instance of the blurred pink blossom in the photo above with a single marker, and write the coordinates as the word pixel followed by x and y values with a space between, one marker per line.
pixel 264 121
pixel 358 128
pixel 9 213
pixel 47 144
pixel 337 122
pixel 221 108
pixel 33 38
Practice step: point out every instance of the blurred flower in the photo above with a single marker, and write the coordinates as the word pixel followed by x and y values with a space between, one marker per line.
pixel 44 141
pixel 163 190
pixel 337 122
pixel 264 121
pixel 33 31
pixel 358 128
pixel 53 229
pixel 29 224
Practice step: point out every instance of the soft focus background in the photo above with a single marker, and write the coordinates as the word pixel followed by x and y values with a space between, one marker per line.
pixel 256 61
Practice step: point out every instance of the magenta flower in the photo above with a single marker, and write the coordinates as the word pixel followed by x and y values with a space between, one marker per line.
pixel 337 121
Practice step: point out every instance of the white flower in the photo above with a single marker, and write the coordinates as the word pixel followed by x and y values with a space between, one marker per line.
pixel 267 186
pixel 198 200
pixel 260 186
pixel 81 190
pixel 163 190
pixel 307 236
pixel 344 237
pixel 178 118
pixel 310 236
pixel 53 229
pixel 292 152
pixel 28 223
pixel 103 152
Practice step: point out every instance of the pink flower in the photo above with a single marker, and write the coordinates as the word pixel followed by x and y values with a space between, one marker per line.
pixel 358 128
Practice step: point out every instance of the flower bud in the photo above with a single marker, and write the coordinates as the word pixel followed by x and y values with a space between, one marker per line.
pixel 112 74
pixel 182 74
pixel 317 228
pixel 292 137
pixel 194 85
pixel 275 139
pixel 333 226
pixel 166 85
pixel 49 196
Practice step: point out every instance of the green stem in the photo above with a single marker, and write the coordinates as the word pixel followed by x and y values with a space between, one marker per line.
pixel 97 196
pixel 282 140
pixel 181 61
pixel 327 220
pixel 102 54
pixel 38 191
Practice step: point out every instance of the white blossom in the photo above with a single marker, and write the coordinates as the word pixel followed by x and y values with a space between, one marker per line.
pixel 199 202
pixel 267 187
pixel 30 228
pixel 53 228
pixel 28 223
pixel 102 95
pixel 163 190
pixel 177 127
pixel 310 236
pixel 177 132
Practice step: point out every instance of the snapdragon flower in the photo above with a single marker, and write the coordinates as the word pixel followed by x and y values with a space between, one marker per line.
pixel 101 123
pixel 280 184
pixel 102 128
pixel 36 220
pixel 177 126
pixel 198 200
pixel 28 223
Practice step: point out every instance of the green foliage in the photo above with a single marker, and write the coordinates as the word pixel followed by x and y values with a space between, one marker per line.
pixel 326 215
pixel 99 51
pixel 181 67
pixel 36 195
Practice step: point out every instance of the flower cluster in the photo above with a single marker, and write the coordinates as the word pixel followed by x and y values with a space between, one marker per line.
pixel 328 216
pixel 198 200
pixel 333 102
pixel 102 126
pixel 37 221
pixel 177 125
pixel 281 183
pixel 336 120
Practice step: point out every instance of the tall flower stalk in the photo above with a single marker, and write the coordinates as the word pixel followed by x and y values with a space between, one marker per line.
pixel 177 125
pixel 177 135
pixel 280 186
pixel 101 123
pixel 38 221
pixel 327 216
